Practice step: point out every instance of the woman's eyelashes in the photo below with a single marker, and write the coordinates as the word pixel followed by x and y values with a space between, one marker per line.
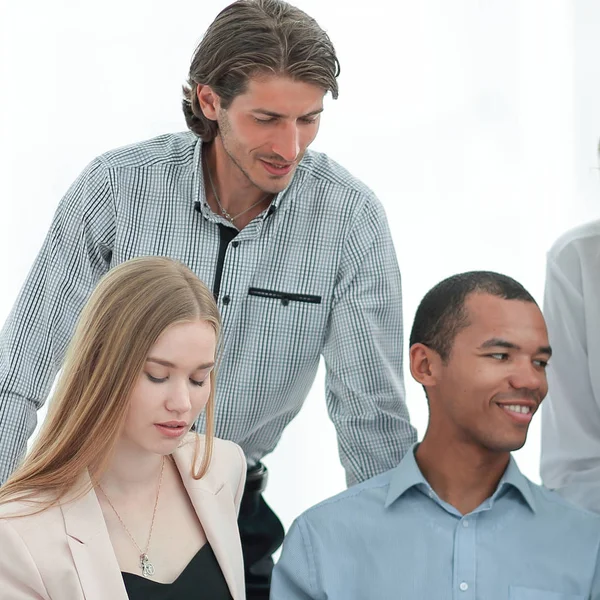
pixel 154 379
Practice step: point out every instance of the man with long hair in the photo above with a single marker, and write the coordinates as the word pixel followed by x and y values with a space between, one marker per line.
pixel 296 250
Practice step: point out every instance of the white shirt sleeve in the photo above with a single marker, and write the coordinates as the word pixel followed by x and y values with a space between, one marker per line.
pixel 570 459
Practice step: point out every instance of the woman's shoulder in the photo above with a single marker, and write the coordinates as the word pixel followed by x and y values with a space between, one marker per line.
pixel 227 450
pixel 223 450
pixel 227 460
pixel 25 517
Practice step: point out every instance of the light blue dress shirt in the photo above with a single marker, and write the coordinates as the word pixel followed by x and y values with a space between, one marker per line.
pixel 392 537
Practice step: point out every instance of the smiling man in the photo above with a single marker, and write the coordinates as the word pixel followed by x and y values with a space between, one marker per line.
pixel 456 518
pixel 296 250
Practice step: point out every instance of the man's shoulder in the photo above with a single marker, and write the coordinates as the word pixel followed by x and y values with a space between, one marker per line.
pixel 370 495
pixel 170 148
pixel 555 509
pixel 317 168
pixel 573 239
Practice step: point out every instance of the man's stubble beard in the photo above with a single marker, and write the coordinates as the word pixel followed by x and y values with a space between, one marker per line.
pixel 224 134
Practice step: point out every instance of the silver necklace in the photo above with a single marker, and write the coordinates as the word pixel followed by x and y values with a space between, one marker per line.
pixel 145 564
pixel 229 217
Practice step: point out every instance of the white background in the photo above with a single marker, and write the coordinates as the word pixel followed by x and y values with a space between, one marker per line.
pixel 475 122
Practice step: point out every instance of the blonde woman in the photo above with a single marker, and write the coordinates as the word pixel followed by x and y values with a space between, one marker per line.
pixel 117 499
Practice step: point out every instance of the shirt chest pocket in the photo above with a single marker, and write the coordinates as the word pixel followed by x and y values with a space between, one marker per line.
pixel 517 592
pixel 292 321
pixel 284 297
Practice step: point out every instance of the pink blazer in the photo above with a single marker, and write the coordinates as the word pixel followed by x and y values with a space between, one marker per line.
pixel 65 553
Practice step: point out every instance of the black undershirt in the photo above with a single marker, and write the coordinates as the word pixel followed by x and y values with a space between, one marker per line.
pixel 202 579
pixel 227 234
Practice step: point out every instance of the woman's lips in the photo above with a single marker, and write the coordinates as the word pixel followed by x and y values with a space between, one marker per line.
pixel 171 430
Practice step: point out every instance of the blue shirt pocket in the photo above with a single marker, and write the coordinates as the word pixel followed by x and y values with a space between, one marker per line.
pixel 517 592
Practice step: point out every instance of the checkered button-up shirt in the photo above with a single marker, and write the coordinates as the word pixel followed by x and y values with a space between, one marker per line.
pixel 314 275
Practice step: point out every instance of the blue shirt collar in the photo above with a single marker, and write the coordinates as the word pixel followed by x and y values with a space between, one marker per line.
pixel 404 477
pixel 513 478
pixel 408 475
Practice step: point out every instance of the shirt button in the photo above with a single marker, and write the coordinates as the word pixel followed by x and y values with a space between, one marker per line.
pixel 464 586
pixel 465 523
pixel 226 299
pixel 235 244
pixel 285 301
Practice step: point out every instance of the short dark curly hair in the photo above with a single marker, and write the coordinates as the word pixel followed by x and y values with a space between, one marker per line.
pixel 442 313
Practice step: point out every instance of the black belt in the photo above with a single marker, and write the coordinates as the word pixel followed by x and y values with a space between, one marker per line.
pixel 256 479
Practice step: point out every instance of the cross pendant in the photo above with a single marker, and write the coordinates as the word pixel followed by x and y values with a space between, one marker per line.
pixel 146 566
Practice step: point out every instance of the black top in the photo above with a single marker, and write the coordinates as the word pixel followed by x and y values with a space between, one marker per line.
pixel 202 579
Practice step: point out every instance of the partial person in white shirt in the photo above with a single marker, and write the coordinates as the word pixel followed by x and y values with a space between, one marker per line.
pixel 570 459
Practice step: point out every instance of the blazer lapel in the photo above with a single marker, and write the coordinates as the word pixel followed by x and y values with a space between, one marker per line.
pixel 92 551
pixel 214 506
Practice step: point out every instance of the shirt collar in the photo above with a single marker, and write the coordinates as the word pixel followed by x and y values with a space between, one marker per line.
pixel 405 476
pixel 408 475
pixel 513 478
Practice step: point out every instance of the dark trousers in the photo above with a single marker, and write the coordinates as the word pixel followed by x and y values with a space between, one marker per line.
pixel 261 533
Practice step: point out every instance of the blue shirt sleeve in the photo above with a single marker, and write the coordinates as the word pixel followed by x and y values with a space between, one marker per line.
pixel 295 575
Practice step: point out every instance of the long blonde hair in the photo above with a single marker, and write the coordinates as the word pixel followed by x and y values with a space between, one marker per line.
pixel 129 309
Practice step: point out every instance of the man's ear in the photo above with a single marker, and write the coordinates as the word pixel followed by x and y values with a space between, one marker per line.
pixel 424 365
pixel 209 102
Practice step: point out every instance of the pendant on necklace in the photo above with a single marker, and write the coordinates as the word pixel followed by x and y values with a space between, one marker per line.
pixel 146 566
pixel 227 215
